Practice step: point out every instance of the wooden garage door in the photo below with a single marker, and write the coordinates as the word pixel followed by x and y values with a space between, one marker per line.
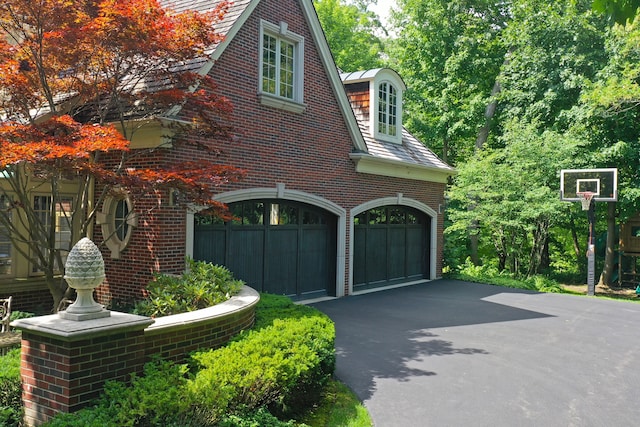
pixel 390 246
pixel 274 246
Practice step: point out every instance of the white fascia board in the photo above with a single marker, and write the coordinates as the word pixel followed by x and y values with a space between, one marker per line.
pixel 366 163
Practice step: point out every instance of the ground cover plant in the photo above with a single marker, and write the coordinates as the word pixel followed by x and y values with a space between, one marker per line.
pixel 492 276
pixel 10 389
pixel 279 367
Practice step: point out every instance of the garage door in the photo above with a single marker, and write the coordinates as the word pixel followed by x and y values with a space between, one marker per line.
pixel 278 247
pixel 390 246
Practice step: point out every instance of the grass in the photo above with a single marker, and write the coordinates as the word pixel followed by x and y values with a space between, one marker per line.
pixel 538 283
pixel 339 407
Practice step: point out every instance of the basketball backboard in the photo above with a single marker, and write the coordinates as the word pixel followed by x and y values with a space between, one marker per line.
pixel 603 183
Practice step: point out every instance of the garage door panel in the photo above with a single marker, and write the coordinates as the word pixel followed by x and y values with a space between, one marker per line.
pixel 396 253
pixel 416 252
pixel 281 261
pixel 314 253
pixel 245 256
pixel 360 255
pixel 212 241
pixel 376 255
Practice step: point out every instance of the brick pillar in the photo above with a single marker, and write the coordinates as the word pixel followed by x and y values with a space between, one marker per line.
pixel 65 363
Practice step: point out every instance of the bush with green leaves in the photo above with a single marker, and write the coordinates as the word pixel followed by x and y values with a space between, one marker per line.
pixel 10 389
pixel 490 275
pixel 202 285
pixel 156 398
pixel 283 363
pixel 277 369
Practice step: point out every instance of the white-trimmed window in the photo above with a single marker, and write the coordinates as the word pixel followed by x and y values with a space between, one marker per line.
pixel 117 220
pixel 387 109
pixel 62 211
pixel 281 67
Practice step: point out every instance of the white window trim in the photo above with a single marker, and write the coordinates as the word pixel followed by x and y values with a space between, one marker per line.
pixel 106 219
pixel 281 32
pixel 33 269
pixel 374 94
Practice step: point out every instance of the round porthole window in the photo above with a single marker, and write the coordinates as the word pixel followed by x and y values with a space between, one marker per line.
pixel 117 220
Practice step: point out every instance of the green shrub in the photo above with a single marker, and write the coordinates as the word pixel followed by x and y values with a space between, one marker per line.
pixel 282 364
pixel 257 418
pixel 157 398
pixel 11 410
pixel 203 285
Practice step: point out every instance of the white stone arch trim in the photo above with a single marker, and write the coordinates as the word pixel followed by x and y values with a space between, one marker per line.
pixel 282 193
pixel 399 199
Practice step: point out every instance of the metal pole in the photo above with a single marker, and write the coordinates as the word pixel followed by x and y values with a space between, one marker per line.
pixel 591 250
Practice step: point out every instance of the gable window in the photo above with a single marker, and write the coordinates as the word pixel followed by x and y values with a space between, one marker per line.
pixel 281 67
pixel 387 109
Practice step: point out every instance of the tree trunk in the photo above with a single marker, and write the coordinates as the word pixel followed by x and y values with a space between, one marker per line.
pixel 58 288
pixel 483 135
pixel 609 257
pixel 489 112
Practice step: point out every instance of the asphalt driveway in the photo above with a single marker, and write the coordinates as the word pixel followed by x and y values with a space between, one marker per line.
pixel 451 353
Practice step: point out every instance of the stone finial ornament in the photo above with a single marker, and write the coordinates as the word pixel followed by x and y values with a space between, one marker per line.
pixel 84 271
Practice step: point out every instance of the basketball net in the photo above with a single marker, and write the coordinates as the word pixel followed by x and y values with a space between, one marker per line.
pixel 585 199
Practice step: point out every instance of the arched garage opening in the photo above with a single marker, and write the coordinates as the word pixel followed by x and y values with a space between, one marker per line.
pixel 391 245
pixel 276 246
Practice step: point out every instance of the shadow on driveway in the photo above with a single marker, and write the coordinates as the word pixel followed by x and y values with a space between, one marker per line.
pixel 379 334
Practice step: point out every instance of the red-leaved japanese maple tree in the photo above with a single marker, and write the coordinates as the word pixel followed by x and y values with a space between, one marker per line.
pixel 78 79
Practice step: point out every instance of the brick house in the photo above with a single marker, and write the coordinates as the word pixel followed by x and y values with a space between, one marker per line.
pixel 338 197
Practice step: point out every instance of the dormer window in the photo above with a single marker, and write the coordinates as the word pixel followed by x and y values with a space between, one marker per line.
pixel 387 109
pixel 376 98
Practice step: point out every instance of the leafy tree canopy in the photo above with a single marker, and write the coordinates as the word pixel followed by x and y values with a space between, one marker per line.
pixel 353 33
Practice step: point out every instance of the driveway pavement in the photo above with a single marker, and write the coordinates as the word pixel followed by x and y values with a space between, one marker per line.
pixel 451 353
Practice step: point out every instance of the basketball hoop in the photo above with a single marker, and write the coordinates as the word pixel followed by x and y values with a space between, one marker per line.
pixel 586 198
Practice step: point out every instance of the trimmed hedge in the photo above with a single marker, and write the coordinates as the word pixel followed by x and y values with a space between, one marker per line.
pixel 283 364
pixel 276 369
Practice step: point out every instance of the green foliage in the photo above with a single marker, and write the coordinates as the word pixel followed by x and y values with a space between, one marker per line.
pixel 555 48
pixel 351 33
pixel 620 11
pixel 203 285
pixel 11 410
pixel 339 407
pixel 282 364
pixel 449 54
pixel 510 197
pixel 492 276
pixel 155 399
pixel 256 418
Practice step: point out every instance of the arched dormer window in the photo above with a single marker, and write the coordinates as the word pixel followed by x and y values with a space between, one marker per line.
pixel 386 89
pixel 387 109
pixel 376 97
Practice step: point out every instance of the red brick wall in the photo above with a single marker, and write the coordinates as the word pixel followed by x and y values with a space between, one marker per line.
pixel 176 342
pixel 307 152
pixel 61 376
